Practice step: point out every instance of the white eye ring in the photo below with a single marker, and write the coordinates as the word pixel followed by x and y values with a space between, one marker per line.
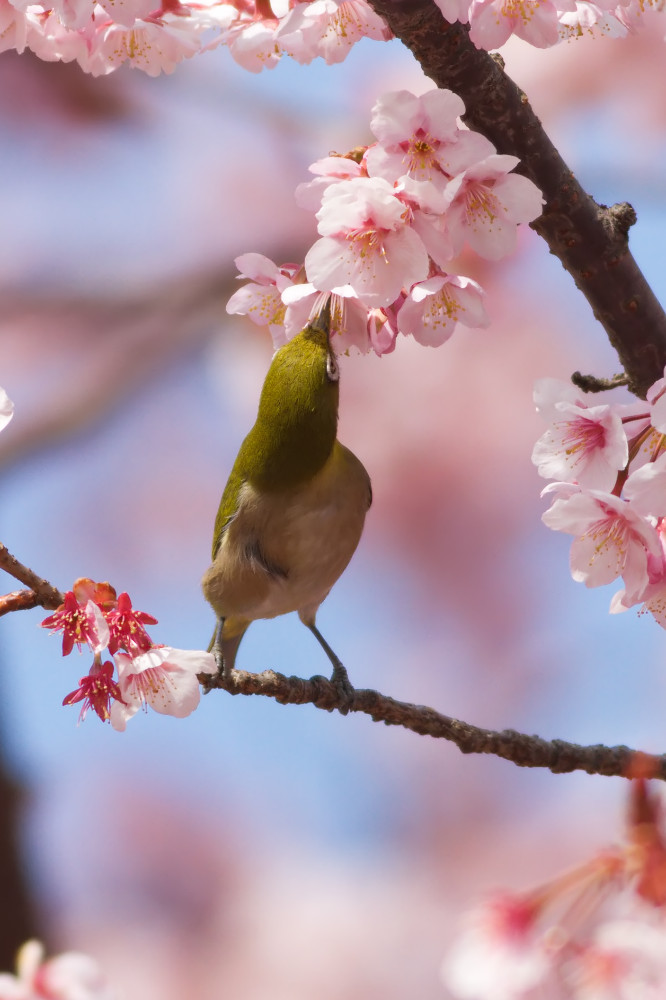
pixel 332 370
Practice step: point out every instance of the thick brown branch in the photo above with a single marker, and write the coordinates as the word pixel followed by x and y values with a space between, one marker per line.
pixel 589 239
pixel 519 748
pixel 45 594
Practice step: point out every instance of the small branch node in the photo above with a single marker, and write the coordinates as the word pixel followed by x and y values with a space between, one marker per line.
pixel 590 383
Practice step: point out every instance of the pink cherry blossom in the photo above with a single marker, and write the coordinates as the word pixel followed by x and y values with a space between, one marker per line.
pixel 591 19
pixel 6 405
pixel 646 488
pixel 164 678
pixel 327 170
pixel 584 444
pixel 421 143
pixel 612 540
pixel 329 28
pixel 656 397
pixel 260 299
pixel 434 307
pixel 487 203
pixel 492 22
pixel 253 44
pixel 454 10
pixel 126 12
pixel 366 242
pixel 69 976
pixel 500 954
pixel 353 325
pixel 153 46
pixel 15 27
pixel 49 39
pixel 626 960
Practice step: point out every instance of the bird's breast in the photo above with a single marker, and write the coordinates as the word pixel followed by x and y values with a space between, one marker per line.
pixel 284 549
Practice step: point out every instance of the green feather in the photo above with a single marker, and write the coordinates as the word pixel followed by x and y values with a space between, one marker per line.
pixel 296 425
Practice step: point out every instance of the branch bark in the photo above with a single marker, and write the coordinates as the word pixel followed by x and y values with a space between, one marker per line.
pixel 521 749
pixel 590 240
pixel 43 593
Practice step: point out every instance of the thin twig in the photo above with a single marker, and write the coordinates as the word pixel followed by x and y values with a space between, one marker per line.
pixel 521 749
pixel 46 595
pixel 18 600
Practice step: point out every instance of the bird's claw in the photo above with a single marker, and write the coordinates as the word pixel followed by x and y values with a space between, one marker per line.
pixel 343 686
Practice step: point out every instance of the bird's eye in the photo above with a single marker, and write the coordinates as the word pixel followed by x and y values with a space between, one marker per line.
pixel 332 370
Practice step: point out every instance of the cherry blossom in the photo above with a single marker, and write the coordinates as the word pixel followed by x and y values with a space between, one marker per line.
pixel 590 18
pixel 646 488
pixel 593 933
pixel 164 678
pixel 421 144
pixel 69 976
pixel 434 307
pixel 353 325
pixel 6 405
pixel 327 170
pixel 96 690
pixel 80 625
pixel 656 397
pixel 487 203
pixel 584 444
pixel 500 954
pixel 626 960
pixel 261 299
pixel 611 540
pixel 253 44
pixel 366 242
pixel 153 46
pixel 454 10
pixel 492 22
pixel 329 28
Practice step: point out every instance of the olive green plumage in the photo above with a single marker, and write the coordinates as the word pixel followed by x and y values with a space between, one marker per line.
pixel 292 511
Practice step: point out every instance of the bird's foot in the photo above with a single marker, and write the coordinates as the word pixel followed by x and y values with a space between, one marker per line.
pixel 343 686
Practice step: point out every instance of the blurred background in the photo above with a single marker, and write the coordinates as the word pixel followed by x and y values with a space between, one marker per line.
pixel 255 850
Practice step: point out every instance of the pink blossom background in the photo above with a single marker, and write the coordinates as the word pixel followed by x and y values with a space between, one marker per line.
pixel 256 850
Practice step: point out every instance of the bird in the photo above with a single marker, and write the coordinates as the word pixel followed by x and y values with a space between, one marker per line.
pixel 294 506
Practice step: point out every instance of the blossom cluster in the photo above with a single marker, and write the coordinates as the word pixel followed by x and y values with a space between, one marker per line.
pixel 147 673
pixel 392 217
pixel 102 34
pixel 69 976
pixel 595 933
pixel 544 23
pixel 609 461
pixel 155 35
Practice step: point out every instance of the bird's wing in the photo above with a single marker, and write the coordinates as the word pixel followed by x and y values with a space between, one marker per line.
pixel 228 506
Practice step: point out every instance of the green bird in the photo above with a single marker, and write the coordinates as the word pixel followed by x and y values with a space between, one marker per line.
pixel 292 512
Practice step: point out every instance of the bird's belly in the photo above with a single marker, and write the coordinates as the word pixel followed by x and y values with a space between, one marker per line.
pixel 284 551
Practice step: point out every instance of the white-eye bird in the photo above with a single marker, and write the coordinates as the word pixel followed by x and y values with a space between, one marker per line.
pixel 292 512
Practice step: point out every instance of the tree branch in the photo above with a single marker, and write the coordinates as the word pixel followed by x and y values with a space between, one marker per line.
pixel 589 239
pixel 44 593
pixel 518 748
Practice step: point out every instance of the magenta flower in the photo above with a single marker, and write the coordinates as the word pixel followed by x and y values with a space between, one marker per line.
pixel 80 625
pixel 126 628
pixel 96 690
